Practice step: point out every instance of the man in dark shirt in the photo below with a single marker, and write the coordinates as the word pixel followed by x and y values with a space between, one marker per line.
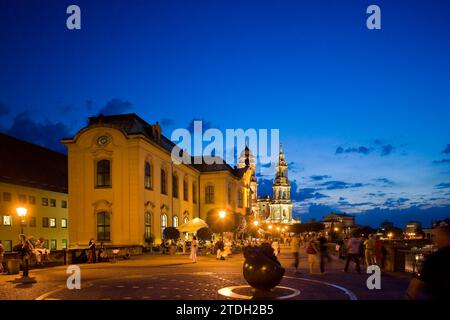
pixel 434 278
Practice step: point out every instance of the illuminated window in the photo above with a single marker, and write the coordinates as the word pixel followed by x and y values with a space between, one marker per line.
pixel 103 226
pixel 7 220
pixel 147 226
pixel 175 221
pixel 63 223
pixel 163 223
pixel 104 173
pixel 64 244
pixel 45 202
pixel 52 222
pixel 53 244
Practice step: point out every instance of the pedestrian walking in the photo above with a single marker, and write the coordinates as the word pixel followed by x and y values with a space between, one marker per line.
pixel 369 250
pixel 194 249
pixel 312 251
pixel 295 248
pixel 276 247
pixel 323 253
pixel 353 253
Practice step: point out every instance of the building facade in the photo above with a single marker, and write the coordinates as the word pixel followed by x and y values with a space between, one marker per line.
pixel 125 189
pixel 278 209
pixel 33 178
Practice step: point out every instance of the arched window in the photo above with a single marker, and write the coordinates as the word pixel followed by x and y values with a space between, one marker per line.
pixel 163 182
pixel 147 226
pixel 148 176
pixel 103 226
pixel 103 173
pixel 175 221
pixel 185 220
pixel 209 194
pixel 175 185
pixel 194 193
pixel 185 189
pixel 284 194
pixel 163 224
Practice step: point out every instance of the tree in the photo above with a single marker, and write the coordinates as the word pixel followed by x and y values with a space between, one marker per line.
pixel 204 234
pixel 218 224
pixel 171 233
pixel 307 227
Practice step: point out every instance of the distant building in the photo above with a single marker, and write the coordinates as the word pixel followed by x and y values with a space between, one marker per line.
pixel 35 178
pixel 413 230
pixel 277 209
pixel 339 223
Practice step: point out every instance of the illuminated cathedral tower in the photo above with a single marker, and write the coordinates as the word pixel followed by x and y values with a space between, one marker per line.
pixel 281 204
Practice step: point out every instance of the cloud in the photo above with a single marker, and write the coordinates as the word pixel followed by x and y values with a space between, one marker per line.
pixel 116 106
pixel 337 185
pixel 4 110
pixel 319 177
pixel 441 161
pixel 378 142
pixel 447 149
pixel 392 203
pixel 307 193
pixel 47 134
pixel 361 150
pixel 385 181
pixel 443 185
pixel 387 150
pixel 166 122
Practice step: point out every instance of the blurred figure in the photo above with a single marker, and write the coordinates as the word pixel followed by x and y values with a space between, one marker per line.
pixel 295 248
pixel 312 251
pixel 369 250
pixel 194 249
pixel 91 255
pixel 434 278
pixel 276 247
pixel 323 252
pixel 353 253
pixel 26 249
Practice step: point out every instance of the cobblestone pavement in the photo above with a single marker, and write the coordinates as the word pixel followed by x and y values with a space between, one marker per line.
pixel 152 276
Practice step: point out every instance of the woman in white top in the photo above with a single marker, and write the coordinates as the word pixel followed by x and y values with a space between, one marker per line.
pixel 194 249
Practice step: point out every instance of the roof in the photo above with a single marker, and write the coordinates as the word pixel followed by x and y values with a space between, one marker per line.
pixel 131 124
pixel 26 164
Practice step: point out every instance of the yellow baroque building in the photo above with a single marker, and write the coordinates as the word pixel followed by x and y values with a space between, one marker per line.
pixel 125 189
pixel 34 178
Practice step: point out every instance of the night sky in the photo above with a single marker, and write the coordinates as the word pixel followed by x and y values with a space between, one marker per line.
pixel 363 114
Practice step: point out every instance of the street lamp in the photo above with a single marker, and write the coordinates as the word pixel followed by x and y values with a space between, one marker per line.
pixel 255 223
pixel 22 213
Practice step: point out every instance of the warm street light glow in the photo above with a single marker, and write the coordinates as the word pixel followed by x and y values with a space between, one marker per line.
pixel 336 229
pixel 255 223
pixel 21 212
pixel 390 234
pixel 222 214
pixel 278 228
pixel 270 227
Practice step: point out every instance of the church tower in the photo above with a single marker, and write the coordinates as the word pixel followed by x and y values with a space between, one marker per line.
pixel 281 205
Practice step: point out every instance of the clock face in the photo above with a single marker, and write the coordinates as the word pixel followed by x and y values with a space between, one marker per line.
pixel 103 140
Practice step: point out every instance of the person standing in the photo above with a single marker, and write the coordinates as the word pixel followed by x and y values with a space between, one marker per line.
pixel 91 248
pixel 311 250
pixel 194 249
pixel 2 252
pixel 369 250
pixel 26 249
pixel 434 277
pixel 276 247
pixel 353 252
pixel 295 248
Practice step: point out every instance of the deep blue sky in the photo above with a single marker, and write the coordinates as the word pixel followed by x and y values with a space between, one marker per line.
pixel 363 115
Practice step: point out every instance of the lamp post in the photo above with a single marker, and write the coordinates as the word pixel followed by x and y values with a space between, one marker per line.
pixel 22 213
pixel 222 215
